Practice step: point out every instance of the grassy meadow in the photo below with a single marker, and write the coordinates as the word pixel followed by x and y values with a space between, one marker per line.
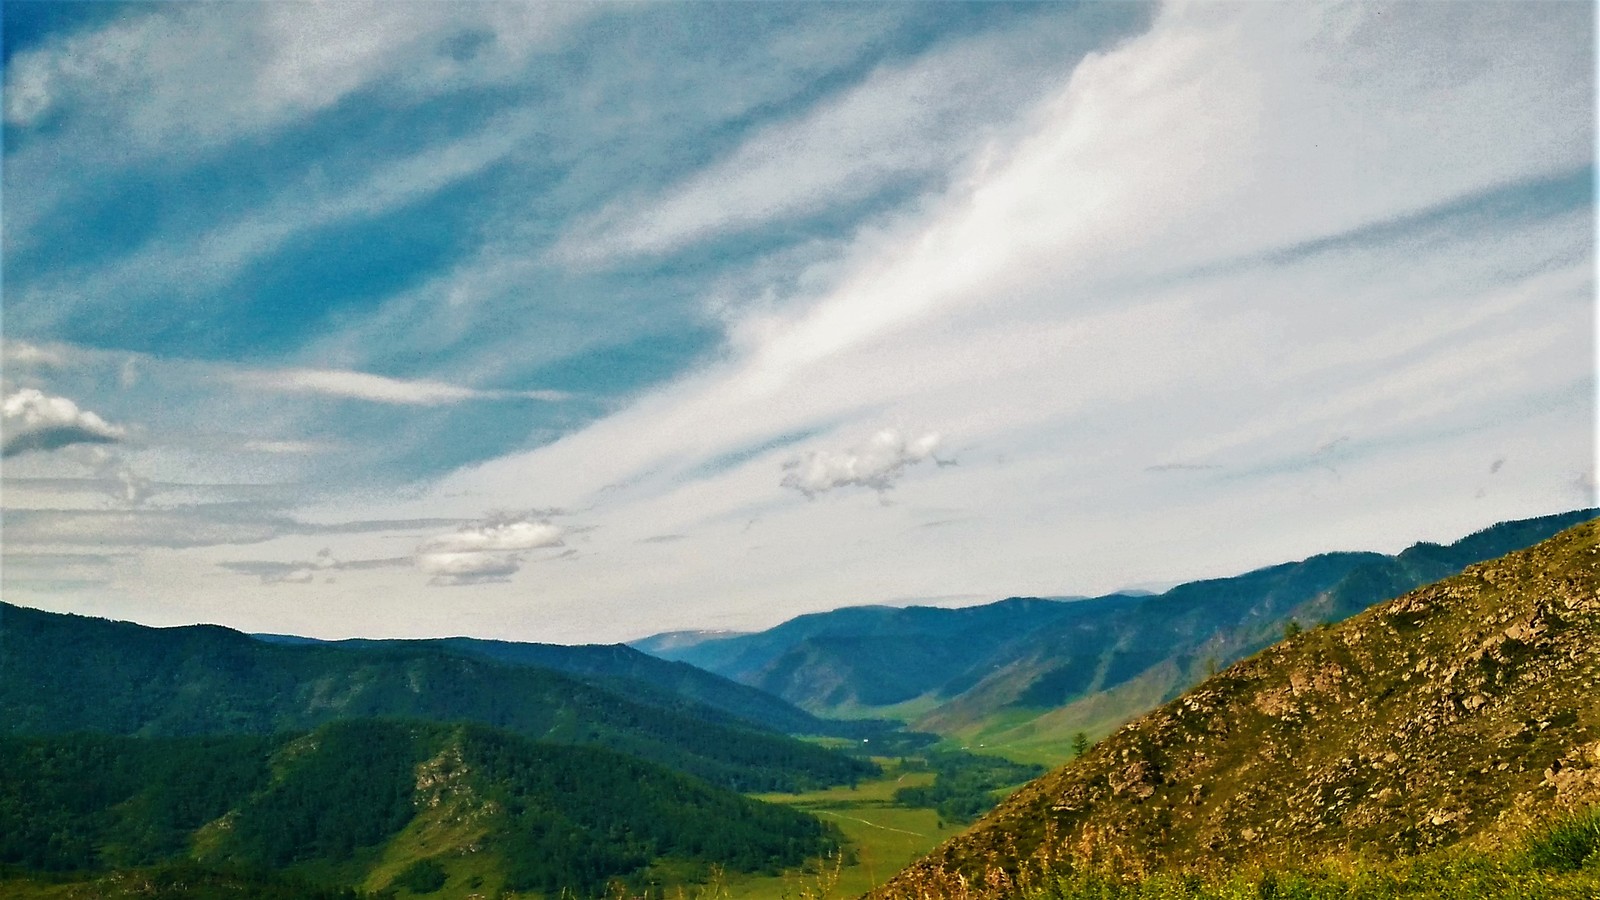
pixel 883 837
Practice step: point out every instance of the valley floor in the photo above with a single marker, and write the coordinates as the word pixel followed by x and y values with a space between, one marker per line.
pixel 883 838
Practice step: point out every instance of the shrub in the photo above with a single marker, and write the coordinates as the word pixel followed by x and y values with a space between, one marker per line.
pixel 421 877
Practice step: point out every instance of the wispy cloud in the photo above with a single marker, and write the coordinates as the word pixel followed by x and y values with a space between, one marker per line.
pixel 1103 294
pixel 902 122
pixel 376 388
pixel 184 525
pixel 257 68
pixel 183 269
pixel 281 447
pixel 323 564
pixel 1212 235
pixel 28 356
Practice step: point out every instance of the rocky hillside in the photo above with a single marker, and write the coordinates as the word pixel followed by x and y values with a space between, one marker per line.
pixel 1458 713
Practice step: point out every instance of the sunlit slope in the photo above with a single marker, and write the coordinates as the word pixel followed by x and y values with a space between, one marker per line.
pixel 1459 712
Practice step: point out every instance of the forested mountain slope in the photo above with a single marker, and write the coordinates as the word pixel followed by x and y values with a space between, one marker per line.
pixel 65 673
pixel 380 804
pixel 622 669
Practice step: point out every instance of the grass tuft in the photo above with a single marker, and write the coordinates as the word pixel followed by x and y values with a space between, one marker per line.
pixel 1567 845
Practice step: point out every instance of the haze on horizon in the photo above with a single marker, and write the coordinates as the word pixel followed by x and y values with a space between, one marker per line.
pixel 578 322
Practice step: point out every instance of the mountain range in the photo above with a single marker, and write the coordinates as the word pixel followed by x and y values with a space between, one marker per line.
pixel 65 673
pixel 1024 674
pixel 202 762
pixel 624 670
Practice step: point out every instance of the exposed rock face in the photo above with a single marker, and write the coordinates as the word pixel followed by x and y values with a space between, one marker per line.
pixel 1462 711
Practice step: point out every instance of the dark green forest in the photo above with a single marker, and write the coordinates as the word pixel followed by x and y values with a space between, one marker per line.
pixel 133 680
pixel 965 785
pixel 559 817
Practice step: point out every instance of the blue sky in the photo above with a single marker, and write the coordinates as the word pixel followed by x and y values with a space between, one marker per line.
pixel 578 322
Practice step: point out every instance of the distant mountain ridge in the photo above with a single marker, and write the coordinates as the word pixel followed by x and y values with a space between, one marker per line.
pixel 64 673
pixel 1029 672
pixel 624 670
pixel 1461 712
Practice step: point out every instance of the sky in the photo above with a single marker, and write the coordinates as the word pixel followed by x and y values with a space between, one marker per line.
pixel 581 322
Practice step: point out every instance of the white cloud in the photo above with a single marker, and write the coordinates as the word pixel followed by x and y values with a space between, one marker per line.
pixel 468 568
pixel 497 536
pixel 179 81
pixel 1107 294
pixel 877 464
pixel 490 550
pixel 35 421
pixel 1127 284
pixel 374 388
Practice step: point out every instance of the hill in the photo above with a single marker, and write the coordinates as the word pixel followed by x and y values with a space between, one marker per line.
pixel 66 673
pixel 380 804
pixel 621 669
pixel 1458 713
pixel 871 656
pixel 1026 675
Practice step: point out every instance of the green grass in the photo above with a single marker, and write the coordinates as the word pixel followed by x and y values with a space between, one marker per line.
pixel 1454 876
pixel 1046 737
pixel 1559 861
pixel 882 838
pixel 1568 845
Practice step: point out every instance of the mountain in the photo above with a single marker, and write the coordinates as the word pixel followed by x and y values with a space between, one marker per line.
pixel 1458 713
pixel 381 804
pixel 666 643
pixel 623 670
pixel 65 673
pixel 1092 675
pixel 872 656
pixel 1026 674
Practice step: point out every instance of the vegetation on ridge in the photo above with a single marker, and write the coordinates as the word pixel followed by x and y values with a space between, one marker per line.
pixel 125 678
pixel 1456 714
